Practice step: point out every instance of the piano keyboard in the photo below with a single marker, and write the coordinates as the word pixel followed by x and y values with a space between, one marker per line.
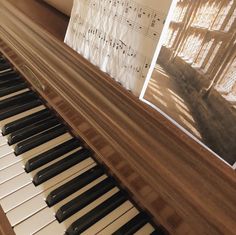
pixel 49 182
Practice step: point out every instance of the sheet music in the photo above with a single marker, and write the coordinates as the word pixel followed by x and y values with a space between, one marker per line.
pixel 118 36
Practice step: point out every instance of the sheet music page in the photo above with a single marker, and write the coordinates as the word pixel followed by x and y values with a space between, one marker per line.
pixel 118 36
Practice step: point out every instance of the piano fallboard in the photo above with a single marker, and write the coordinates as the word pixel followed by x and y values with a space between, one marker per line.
pixel 179 182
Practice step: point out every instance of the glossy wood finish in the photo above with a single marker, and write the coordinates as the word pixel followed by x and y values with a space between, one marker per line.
pixel 183 185
pixel 44 15
pixel 5 227
pixel 61 5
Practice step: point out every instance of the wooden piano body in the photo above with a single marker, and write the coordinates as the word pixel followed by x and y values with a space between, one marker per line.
pixel 180 183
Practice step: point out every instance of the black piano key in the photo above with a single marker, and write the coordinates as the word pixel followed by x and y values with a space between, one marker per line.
pixel 11 89
pixel 18 99
pixel 4 66
pixel 5 83
pixel 51 154
pixel 19 109
pixel 2 59
pixel 96 214
pixel 39 139
pixel 5 77
pixel 158 231
pixel 155 233
pixel 31 130
pixel 25 121
pixel 5 71
pixel 4 62
pixel 133 225
pixel 9 79
pixel 60 166
pixel 84 199
pixel 74 185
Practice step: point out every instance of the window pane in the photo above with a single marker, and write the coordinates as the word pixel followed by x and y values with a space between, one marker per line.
pixel 229 81
pixel 231 21
pixel 213 55
pixel 222 15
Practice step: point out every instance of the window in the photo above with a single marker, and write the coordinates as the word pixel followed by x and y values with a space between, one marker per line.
pixel 227 85
pixel 206 14
pixel 171 36
pixel 177 14
pixel 222 15
pixel 202 31
pixel 191 47
pixel 212 57
pixel 203 53
pixel 231 21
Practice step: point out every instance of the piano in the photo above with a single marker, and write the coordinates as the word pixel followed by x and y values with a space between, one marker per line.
pixel 81 155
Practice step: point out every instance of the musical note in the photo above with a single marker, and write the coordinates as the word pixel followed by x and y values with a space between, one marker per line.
pixel 119 36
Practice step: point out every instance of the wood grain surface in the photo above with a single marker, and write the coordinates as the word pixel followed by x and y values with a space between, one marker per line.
pixel 5 227
pixel 179 182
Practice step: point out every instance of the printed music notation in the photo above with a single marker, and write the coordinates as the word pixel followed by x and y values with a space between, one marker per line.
pixel 95 37
pixel 136 16
pixel 119 36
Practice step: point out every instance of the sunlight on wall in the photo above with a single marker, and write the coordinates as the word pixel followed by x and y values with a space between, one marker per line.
pixel 199 33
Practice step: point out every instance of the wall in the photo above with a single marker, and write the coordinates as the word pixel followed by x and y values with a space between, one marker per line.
pixel 216 117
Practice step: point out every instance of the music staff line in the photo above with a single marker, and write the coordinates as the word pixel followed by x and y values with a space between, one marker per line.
pixel 132 25
pixel 121 51
pixel 104 11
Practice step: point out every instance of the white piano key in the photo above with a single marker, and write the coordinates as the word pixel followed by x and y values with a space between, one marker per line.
pixel 5 150
pixel 26 210
pixel 52 228
pixel 11 172
pixel 60 228
pixel 8 160
pixel 122 220
pixel 3 140
pixel 11 159
pixel 90 207
pixel 32 173
pixel 21 115
pixel 44 147
pixel 24 194
pixel 111 217
pixel 14 184
pixel 146 229
pixel 5 70
pixel 18 168
pixel 79 192
pixel 33 206
pixel 14 94
pixel 35 222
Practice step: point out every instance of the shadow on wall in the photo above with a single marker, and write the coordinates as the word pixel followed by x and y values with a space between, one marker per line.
pixel 209 118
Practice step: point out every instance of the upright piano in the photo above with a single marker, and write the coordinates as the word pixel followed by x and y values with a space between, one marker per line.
pixel 81 155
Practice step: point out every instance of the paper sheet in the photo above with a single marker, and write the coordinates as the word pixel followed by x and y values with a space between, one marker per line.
pixel 118 36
